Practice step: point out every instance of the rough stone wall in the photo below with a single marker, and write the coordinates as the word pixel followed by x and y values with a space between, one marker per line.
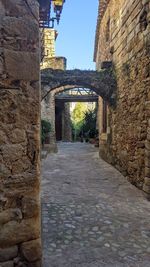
pixel 20 243
pixel 101 82
pixel 56 63
pixel 66 124
pixel 146 187
pixel 48 37
pixel 48 108
pixel 124 38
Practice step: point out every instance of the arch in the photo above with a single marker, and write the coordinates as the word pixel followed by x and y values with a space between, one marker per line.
pixel 101 82
pixel 46 90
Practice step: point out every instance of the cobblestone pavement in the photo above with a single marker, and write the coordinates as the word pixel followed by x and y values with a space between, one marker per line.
pixel 91 216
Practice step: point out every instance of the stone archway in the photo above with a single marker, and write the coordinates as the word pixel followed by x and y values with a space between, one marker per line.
pixel 54 81
pixel 102 82
pixel 48 110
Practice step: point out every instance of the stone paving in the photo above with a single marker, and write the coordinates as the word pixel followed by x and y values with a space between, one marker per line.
pixel 91 216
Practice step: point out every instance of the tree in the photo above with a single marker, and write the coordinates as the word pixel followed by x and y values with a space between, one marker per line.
pixel 77 117
pixel 89 124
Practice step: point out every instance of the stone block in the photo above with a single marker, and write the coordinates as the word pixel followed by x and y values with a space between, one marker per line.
pixel 13 233
pixel 147 145
pixel 9 253
pixel 31 250
pixel 20 166
pixel 17 136
pixel 147 153
pixel 147 162
pixel 147 181
pixel 146 188
pixel 7 264
pixel 21 8
pixel 21 183
pixel 4 171
pixel 147 172
pixel 19 27
pixel 3 138
pixel 22 65
pixel 30 206
pixel 148 137
pixel 9 215
pixel 12 153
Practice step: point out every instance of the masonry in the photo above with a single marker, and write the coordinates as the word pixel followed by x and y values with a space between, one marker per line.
pixel 20 243
pixel 58 115
pixel 123 37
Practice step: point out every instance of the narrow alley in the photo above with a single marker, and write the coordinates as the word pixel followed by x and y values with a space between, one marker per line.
pixel 91 216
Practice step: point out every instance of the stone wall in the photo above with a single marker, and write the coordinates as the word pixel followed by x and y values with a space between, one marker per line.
pixel 48 108
pixel 48 37
pixel 20 243
pixel 66 123
pixel 124 37
pixel 56 63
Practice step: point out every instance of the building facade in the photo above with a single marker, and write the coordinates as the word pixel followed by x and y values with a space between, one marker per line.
pixel 123 37
pixel 20 237
pixel 48 38
pixel 59 115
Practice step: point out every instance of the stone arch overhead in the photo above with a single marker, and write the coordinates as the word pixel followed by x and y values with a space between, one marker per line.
pixel 102 82
pixel 46 90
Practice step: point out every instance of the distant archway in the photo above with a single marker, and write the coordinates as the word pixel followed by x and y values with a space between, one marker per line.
pixel 102 82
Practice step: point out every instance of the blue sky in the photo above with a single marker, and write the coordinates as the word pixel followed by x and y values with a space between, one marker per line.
pixel 76 33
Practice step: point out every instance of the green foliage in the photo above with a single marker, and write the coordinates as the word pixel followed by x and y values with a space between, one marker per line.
pixel 77 117
pixel 83 122
pixel 78 113
pixel 89 124
pixel 45 128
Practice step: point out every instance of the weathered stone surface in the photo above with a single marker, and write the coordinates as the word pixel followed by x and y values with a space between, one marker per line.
pixel 17 136
pixel 20 127
pixel 102 82
pixel 3 138
pixel 17 61
pixel 9 215
pixel 30 206
pixel 21 8
pixel 21 183
pixel 147 181
pixel 32 250
pixel 8 253
pixel 21 165
pixel 4 171
pixel 147 172
pixel 146 188
pixel 12 153
pixel 19 232
pixel 122 37
pixel 21 28
pixel 147 145
pixel 147 162
pixel 7 264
